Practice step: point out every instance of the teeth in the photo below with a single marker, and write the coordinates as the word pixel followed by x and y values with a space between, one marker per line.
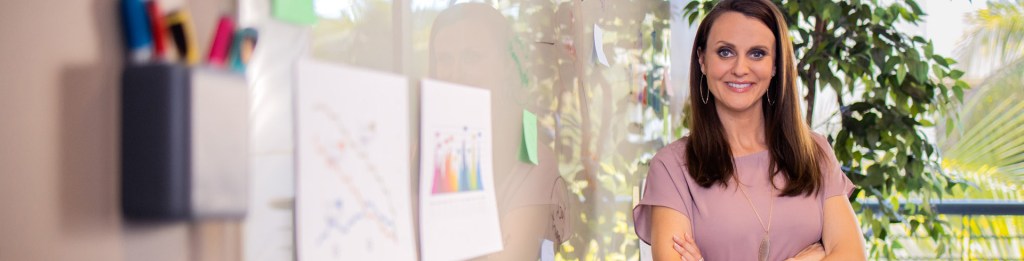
pixel 738 85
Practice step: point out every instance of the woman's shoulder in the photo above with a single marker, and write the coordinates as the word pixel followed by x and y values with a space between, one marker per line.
pixel 827 156
pixel 673 153
pixel 820 139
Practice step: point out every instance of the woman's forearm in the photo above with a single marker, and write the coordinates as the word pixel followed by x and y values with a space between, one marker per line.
pixel 849 252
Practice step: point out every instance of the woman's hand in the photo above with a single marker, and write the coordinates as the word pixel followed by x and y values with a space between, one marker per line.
pixel 814 252
pixel 688 248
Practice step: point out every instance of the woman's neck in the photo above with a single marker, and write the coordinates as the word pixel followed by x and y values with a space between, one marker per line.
pixel 744 129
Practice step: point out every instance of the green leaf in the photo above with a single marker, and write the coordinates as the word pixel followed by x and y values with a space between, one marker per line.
pixel 955 74
pixel 941 60
pixel 901 73
pixel 939 73
pixel 920 71
pixel 692 5
pixel 913 5
pixel 949 126
pixel 959 92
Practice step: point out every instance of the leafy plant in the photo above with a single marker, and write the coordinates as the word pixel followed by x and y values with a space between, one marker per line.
pixel 994 50
pixel 889 87
pixel 986 147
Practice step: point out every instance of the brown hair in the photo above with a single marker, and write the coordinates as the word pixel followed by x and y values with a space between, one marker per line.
pixel 793 151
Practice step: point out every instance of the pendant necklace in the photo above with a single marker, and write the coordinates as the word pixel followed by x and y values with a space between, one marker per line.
pixel 762 250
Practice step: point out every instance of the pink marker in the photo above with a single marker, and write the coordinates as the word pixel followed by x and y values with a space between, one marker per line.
pixel 221 41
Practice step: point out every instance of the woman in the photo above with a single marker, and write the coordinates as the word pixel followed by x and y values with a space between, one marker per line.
pixel 751 182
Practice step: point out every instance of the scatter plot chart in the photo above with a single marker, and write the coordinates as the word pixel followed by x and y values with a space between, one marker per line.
pixel 352 147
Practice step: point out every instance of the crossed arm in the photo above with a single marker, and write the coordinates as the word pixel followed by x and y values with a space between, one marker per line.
pixel 840 234
pixel 672 238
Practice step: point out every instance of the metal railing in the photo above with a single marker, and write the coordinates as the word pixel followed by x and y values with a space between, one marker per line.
pixel 968 210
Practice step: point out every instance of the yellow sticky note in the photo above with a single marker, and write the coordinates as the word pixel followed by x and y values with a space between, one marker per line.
pixel 528 146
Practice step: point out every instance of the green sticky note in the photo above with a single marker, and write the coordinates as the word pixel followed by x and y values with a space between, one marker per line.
pixel 294 11
pixel 528 146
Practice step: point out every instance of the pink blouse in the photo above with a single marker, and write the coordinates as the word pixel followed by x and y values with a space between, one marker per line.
pixel 724 225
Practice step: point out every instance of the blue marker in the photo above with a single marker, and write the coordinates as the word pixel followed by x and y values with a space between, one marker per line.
pixel 138 38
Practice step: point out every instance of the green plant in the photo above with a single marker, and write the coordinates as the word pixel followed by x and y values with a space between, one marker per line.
pixel 890 85
pixel 994 51
pixel 984 146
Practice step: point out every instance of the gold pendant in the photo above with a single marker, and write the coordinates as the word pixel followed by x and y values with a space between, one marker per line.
pixel 762 252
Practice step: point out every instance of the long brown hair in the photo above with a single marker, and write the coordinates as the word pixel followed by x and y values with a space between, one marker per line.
pixel 794 153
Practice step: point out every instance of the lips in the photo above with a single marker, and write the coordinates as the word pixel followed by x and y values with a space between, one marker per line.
pixel 739 86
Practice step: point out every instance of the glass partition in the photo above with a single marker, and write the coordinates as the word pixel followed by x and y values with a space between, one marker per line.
pixel 595 73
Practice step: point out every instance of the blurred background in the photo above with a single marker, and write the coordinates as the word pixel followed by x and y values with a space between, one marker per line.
pixel 920 99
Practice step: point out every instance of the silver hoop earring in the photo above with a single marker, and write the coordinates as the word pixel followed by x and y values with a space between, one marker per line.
pixel 701 90
pixel 768 95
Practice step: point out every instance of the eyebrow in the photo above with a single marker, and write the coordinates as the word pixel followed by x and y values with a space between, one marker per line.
pixel 731 45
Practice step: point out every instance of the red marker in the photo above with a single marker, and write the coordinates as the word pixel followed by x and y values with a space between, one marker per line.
pixel 221 41
pixel 156 25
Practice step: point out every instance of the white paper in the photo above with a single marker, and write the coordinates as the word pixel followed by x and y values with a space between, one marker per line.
pixel 352 142
pixel 458 216
pixel 270 224
pixel 547 250
pixel 599 45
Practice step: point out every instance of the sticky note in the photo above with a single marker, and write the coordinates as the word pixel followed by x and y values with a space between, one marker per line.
pixel 294 11
pixel 528 146
pixel 599 45
pixel 547 250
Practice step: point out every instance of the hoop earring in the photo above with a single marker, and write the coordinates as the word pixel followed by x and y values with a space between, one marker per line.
pixel 768 95
pixel 701 90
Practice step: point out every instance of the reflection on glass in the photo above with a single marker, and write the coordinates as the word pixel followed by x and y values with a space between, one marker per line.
pixel 356 32
pixel 472 44
pixel 597 124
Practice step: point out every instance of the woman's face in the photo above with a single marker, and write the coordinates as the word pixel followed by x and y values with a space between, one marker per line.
pixel 738 61
pixel 468 53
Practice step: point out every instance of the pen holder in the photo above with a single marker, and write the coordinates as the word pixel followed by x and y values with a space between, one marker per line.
pixel 184 143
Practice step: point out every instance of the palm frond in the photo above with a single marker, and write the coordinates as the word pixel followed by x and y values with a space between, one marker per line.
pixel 997 86
pixel 995 39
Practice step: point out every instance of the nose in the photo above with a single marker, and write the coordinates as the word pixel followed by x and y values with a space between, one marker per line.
pixel 742 66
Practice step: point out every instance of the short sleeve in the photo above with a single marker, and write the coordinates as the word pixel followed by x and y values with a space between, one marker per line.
pixel 835 182
pixel 663 188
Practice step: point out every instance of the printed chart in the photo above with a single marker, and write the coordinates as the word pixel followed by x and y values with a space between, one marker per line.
pixel 458 211
pixel 353 194
pixel 457 165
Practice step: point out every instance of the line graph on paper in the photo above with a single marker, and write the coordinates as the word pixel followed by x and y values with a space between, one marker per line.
pixel 353 194
pixel 359 213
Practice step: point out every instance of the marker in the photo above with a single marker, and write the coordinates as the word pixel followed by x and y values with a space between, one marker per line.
pixel 241 49
pixel 156 27
pixel 249 39
pixel 180 25
pixel 136 30
pixel 221 42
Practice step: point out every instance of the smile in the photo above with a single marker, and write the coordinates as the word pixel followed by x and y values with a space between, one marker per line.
pixel 739 86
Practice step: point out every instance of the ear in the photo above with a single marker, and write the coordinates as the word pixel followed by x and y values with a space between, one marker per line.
pixel 700 59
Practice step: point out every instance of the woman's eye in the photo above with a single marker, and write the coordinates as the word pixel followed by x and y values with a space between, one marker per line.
pixel 725 53
pixel 758 54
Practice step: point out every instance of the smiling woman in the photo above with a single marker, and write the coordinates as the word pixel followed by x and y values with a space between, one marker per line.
pixel 739 67
pixel 751 182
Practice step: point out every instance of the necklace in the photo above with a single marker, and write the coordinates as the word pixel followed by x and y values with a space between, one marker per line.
pixel 762 250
